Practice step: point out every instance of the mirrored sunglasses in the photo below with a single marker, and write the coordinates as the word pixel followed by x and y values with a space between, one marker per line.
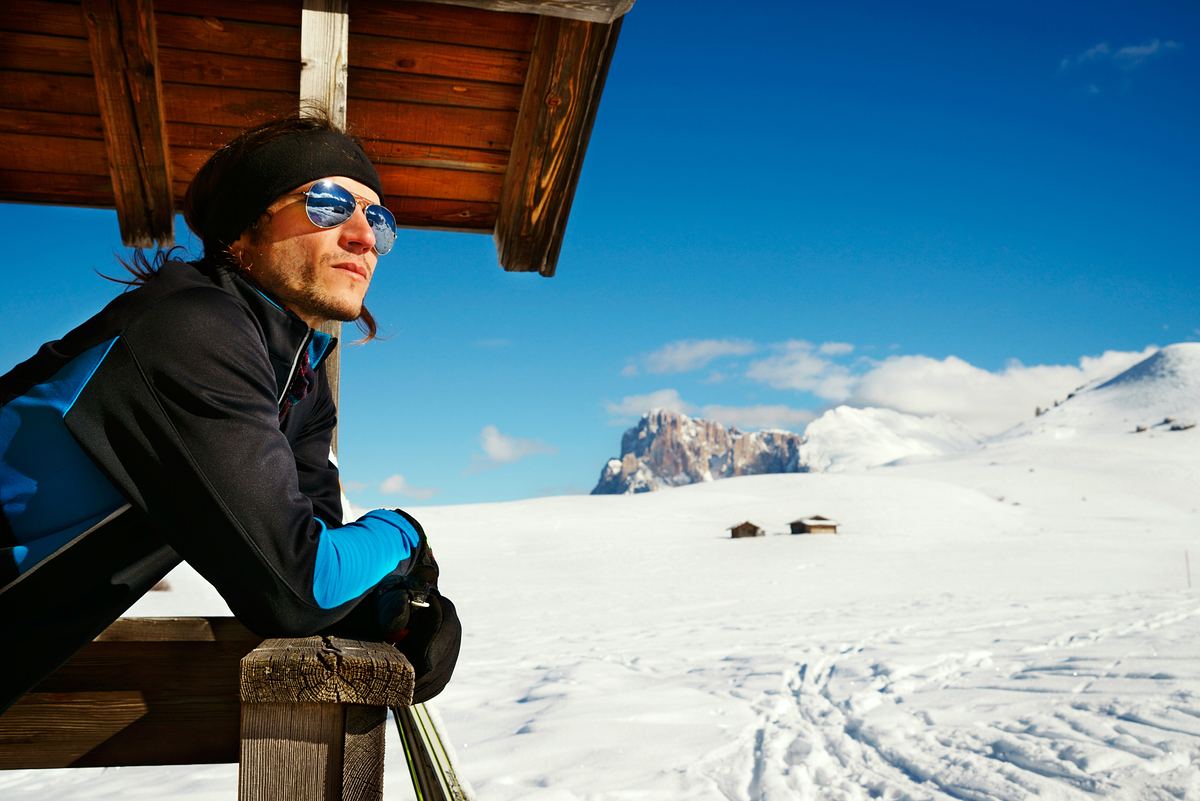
pixel 329 204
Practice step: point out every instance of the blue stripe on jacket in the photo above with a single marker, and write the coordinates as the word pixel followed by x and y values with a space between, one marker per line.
pixel 49 489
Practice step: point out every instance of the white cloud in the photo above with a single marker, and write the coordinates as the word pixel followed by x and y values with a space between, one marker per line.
pixel 801 366
pixel 987 402
pixel 398 485
pixel 1132 56
pixel 500 448
pixel 1128 57
pixel 751 417
pixel 693 354
pixel 634 406
pixel 836 349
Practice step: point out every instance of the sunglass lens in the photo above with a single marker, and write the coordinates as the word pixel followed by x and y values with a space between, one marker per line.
pixel 384 225
pixel 328 204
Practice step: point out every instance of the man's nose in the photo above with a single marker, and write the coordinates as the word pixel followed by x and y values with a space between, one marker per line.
pixel 357 236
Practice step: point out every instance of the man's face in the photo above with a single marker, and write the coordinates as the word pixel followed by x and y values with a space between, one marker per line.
pixel 320 274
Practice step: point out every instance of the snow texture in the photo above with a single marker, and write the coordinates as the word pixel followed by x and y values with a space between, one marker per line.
pixel 1011 621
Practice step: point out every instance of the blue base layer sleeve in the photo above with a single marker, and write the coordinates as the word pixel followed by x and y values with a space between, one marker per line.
pixel 353 558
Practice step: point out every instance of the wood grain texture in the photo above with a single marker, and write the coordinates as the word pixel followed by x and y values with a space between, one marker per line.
pixel 46 16
pixel 124 698
pixel 324 52
pixel 431 22
pixel 291 752
pixel 602 11
pixel 363 754
pixel 38 52
pixel 53 730
pixel 567 69
pixel 122 42
pixel 32 91
pixel 324 61
pixel 326 670
pixel 21 186
pixel 50 123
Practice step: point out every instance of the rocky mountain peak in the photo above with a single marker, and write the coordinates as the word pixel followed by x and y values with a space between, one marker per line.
pixel 669 449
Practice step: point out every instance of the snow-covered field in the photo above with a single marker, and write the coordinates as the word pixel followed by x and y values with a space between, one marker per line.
pixel 1012 621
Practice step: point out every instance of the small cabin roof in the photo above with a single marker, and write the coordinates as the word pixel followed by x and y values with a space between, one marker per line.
pixel 743 524
pixel 477 113
pixel 814 520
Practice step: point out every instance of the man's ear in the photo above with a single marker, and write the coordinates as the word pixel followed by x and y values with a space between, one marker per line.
pixel 238 250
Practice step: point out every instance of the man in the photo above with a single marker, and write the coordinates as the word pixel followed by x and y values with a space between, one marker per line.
pixel 190 418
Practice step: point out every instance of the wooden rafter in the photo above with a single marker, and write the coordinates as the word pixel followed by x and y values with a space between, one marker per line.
pixel 605 11
pixel 124 54
pixel 567 69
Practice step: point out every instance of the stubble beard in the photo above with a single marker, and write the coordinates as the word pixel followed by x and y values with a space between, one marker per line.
pixel 304 293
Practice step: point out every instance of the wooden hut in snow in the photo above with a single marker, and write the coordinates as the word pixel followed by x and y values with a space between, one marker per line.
pixel 746 529
pixel 815 524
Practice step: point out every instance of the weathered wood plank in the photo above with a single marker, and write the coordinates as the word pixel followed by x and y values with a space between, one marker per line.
pixel 430 22
pixel 434 59
pixel 438 59
pixel 441 184
pixel 367 84
pixel 247 72
pixel 125 60
pixel 43 16
pixel 44 53
pixel 213 34
pixel 443 215
pixel 124 698
pixel 418 21
pixel 602 11
pixel 33 91
pixel 484 129
pixel 51 730
pixel 50 123
pixel 413 122
pixel 22 186
pixel 56 153
pixel 226 69
pixel 566 78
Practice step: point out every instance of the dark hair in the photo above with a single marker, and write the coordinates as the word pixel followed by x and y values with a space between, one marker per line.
pixel 204 186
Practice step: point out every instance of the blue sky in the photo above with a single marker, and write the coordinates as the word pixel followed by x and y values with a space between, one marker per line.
pixel 950 208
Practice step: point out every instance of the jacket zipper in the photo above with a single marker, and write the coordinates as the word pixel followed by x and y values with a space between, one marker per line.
pixel 292 370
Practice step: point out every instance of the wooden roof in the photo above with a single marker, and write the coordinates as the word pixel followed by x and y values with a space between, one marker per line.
pixel 476 114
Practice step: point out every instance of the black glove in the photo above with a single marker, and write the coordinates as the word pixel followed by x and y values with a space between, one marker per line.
pixel 416 618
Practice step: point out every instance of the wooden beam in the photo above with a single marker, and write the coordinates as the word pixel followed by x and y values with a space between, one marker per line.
pixel 126 697
pixel 324 66
pixel 129 89
pixel 603 11
pixel 567 69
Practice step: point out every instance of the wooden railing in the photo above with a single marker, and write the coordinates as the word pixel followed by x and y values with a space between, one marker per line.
pixel 304 717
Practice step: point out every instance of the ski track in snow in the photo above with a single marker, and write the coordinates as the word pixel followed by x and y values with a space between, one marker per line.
pixel 875 718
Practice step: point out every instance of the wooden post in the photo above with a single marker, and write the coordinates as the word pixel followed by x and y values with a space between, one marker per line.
pixel 324 66
pixel 313 714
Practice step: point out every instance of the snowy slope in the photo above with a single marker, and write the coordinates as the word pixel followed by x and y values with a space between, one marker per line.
pixel 847 438
pixel 1011 621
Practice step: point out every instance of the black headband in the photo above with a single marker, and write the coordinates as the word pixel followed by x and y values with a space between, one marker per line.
pixel 277 167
